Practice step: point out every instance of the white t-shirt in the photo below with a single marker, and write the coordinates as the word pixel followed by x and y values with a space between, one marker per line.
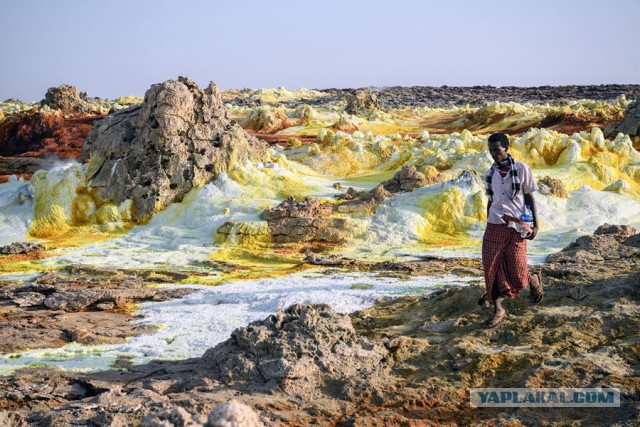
pixel 502 190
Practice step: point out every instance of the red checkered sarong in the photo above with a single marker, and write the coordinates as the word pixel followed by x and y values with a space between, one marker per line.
pixel 504 258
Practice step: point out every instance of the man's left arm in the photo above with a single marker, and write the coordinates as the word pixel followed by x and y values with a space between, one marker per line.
pixel 529 200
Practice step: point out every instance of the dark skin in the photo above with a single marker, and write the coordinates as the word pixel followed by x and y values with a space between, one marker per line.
pixel 499 153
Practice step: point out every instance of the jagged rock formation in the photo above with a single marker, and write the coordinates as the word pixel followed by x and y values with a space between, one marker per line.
pixel 608 242
pixel 406 179
pixel 313 221
pixel 20 248
pixel 303 350
pixel 307 220
pixel 361 102
pixel 629 125
pixel 177 139
pixel 65 98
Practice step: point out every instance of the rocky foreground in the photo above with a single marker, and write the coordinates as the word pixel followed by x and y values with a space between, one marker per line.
pixel 407 361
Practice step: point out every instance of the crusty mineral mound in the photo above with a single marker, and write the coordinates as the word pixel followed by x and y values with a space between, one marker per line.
pixel 608 242
pixel 304 349
pixel 361 102
pixel 66 98
pixel 408 178
pixel 154 153
pixel 20 248
pixel 307 220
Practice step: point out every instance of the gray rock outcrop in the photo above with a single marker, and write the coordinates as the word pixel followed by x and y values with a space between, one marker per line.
pixel 306 220
pixel 629 125
pixel 66 98
pixel 304 349
pixel 608 242
pixel 20 248
pixel 361 102
pixel 154 153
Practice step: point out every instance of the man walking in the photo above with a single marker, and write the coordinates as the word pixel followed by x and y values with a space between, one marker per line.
pixel 510 185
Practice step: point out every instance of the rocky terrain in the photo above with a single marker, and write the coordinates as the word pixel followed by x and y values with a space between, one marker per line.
pixel 311 220
pixel 154 153
pixel 444 96
pixel 41 136
pixel 406 361
pixel 78 304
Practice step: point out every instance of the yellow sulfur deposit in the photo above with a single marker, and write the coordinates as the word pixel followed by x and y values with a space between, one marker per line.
pixel 66 210
pixel 275 182
pixel 451 212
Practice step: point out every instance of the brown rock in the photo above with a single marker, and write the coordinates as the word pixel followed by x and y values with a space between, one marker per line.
pixel 551 186
pixel 57 307
pixel 28 299
pixel 37 134
pixel 619 232
pixel 305 349
pixel 406 179
pixel 66 98
pixel 20 248
pixel 605 244
pixel 291 208
pixel 409 178
pixel 361 102
pixel 307 220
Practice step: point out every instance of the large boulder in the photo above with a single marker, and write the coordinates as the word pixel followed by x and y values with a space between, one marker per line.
pixel 302 350
pixel 65 98
pixel 154 153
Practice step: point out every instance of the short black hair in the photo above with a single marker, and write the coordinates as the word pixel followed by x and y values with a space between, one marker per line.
pixel 501 138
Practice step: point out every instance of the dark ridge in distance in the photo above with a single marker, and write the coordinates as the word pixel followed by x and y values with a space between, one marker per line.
pixel 446 96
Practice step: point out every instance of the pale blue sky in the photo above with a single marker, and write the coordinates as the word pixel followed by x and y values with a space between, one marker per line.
pixel 113 48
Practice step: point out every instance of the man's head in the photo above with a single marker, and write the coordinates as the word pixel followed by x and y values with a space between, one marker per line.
pixel 498 146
